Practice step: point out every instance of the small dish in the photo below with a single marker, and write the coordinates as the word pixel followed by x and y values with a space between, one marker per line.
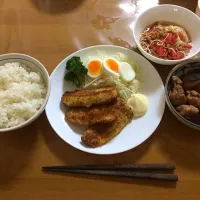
pixel 135 132
pixel 35 66
pixel 181 70
pixel 174 14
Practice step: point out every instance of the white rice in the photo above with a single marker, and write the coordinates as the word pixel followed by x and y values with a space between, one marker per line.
pixel 22 93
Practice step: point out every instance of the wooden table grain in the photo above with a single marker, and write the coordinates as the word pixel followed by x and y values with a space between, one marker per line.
pixel 50 30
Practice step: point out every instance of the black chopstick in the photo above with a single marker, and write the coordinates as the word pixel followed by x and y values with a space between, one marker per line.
pixel 126 174
pixel 155 166
pixel 124 170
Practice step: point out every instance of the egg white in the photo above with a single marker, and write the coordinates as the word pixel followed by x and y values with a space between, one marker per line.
pixel 126 71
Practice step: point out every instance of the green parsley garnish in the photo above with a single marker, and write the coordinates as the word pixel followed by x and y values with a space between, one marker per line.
pixel 76 71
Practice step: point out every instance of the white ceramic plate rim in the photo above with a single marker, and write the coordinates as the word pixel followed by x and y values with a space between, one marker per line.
pixel 116 151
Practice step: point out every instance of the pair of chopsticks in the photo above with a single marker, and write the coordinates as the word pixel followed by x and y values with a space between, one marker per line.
pixel 142 171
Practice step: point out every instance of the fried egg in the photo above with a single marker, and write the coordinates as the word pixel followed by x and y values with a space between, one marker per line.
pixel 94 67
pixel 111 66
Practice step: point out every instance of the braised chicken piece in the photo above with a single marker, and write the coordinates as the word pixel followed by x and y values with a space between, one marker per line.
pixel 187 110
pixel 177 95
pixel 193 98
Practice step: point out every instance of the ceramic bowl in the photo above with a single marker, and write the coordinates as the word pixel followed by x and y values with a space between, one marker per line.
pixel 181 70
pixel 35 66
pixel 174 14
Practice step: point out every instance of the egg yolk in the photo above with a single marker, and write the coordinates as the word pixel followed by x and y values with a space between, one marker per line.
pixel 113 65
pixel 94 67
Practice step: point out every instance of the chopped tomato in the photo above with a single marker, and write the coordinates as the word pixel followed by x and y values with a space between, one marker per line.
pixel 173 54
pixel 173 39
pixel 180 55
pixel 188 46
pixel 165 54
pixel 168 38
pixel 154 46
pixel 181 35
pixel 160 51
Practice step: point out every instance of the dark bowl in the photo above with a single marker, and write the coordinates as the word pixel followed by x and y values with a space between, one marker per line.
pixel 181 70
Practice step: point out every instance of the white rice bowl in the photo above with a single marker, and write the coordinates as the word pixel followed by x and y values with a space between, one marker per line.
pixel 22 93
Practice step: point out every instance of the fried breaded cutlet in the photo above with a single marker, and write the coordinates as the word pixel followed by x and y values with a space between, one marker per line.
pixel 88 98
pixel 92 115
pixel 99 134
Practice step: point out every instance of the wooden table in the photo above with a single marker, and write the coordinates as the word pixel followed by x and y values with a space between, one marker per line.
pixel 50 30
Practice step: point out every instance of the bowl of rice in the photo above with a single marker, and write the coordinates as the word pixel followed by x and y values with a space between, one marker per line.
pixel 167 34
pixel 24 90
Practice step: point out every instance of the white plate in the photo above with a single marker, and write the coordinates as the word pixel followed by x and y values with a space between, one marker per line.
pixel 134 133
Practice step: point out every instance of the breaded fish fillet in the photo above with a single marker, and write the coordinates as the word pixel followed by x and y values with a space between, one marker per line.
pixel 99 134
pixel 92 115
pixel 88 98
